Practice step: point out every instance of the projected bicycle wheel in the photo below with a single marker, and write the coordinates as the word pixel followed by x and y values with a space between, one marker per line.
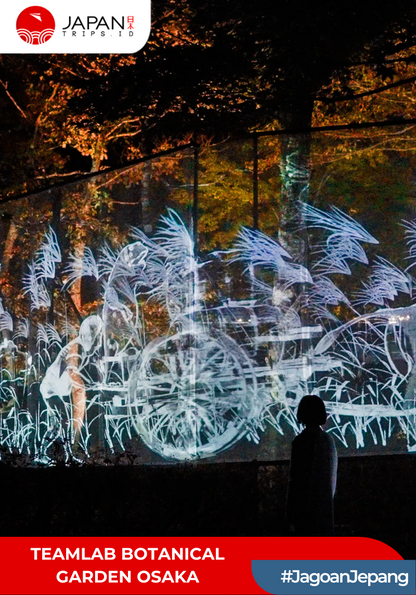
pixel 192 395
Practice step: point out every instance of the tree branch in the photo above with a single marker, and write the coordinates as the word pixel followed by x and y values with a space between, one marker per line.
pixel 134 133
pixel 124 122
pixel 60 175
pixel 367 93
pixel 408 59
pixel 12 99
pixel 39 119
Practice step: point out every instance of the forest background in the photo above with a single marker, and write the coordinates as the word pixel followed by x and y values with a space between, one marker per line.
pixel 212 73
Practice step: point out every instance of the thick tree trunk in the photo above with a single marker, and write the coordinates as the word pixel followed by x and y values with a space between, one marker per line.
pixel 78 393
pixel 8 252
pixel 79 295
pixel 295 171
pixel 9 245
pixel 97 155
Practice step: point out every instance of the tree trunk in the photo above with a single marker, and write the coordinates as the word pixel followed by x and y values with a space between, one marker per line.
pixel 97 155
pixel 8 252
pixel 9 244
pixel 145 197
pixel 78 393
pixel 295 171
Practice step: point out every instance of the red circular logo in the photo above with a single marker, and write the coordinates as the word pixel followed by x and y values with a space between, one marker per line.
pixel 35 25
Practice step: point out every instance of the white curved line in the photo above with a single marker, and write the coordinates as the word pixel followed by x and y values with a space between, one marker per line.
pixel 25 35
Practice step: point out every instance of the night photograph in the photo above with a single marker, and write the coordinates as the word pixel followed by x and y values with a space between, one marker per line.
pixel 193 238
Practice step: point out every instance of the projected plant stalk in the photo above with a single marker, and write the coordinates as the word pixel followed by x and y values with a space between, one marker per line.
pixel 215 369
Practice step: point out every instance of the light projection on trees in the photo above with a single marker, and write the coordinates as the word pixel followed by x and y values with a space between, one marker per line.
pixel 193 356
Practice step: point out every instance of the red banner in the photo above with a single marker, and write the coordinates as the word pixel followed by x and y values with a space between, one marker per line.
pixel 162 565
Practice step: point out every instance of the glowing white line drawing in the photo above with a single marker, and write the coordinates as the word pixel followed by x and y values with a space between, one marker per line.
pixel 216 373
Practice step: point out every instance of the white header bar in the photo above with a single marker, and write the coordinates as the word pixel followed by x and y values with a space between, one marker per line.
pixel 75 27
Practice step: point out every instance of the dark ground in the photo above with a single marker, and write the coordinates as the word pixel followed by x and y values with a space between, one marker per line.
pixel 376 497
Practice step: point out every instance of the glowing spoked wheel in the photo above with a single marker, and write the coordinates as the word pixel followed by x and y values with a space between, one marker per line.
pixel 192 395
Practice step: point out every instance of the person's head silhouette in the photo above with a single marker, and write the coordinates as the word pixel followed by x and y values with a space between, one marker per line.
pixel 311 411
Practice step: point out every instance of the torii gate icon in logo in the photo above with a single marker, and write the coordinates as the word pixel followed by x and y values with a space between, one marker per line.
pixel 35 25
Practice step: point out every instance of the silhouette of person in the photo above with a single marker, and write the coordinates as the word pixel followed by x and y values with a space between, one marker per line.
pixel 313 473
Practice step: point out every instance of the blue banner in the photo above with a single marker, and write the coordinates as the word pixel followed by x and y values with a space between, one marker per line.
pixel 375 577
